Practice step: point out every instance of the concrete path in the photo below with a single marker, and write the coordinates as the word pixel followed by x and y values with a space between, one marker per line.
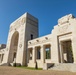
pixel 20 71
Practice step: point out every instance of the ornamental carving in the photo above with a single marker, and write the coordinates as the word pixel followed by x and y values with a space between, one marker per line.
pixel 23 21
pixel 40 42
pixel 65 19
pixel 63 29
pixel 20 21
pixel 20 45
pixel 17 23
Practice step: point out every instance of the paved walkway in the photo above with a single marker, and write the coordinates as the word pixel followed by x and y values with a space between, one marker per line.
pixel 20 71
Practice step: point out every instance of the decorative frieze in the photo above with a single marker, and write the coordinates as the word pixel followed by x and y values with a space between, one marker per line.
pixel 38 42
pixel 63 29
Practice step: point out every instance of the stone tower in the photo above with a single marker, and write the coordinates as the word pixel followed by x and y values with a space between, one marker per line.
pixel 23 29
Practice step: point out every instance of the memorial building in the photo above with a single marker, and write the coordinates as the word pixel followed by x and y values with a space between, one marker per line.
pixel 25 48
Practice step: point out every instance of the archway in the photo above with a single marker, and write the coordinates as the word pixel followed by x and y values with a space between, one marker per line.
pixel 14 46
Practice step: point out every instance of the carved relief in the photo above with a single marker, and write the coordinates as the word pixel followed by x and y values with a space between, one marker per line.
pixel 20 45
pixel 62 21
pixel 18 23
pixel 63 29
pixel 65 19
pixel 23 21
pixel 40 42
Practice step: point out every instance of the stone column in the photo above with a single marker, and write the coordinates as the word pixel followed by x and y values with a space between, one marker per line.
pixel 34 55
pixel 0 58
pixel 50 50
pixel 61 52
pixel 42 54
pixel 28 56
pixel 74 50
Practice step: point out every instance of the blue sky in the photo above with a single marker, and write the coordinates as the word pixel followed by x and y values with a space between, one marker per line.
pixel 47 11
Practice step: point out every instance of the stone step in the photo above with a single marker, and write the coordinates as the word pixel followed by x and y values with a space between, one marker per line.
pixel 4 64
pixel 64 67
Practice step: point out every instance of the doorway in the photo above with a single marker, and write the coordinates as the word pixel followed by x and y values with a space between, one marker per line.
pixel 67 52
pixel 14 47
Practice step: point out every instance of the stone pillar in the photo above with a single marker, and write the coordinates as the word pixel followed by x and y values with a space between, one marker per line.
pixel 74 50
pixel 0 58
pixel 50 51
pixel 28 56
pixel 42 54
pixel 61 52
pixel 34 55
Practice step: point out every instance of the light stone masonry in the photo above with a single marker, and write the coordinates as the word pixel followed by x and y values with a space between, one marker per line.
pixel 25 48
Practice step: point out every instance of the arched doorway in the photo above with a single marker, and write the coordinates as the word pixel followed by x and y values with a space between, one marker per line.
pixel 14 47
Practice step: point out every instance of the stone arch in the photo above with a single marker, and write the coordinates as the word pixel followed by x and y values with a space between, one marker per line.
pixel 14 46
pixel 15 37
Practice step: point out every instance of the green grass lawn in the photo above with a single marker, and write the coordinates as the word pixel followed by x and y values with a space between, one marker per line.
pixel 29 68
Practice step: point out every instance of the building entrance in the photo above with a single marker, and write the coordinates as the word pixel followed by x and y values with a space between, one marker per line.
pixel 67 52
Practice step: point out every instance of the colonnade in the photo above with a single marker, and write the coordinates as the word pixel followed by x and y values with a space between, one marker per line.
pixel 39 53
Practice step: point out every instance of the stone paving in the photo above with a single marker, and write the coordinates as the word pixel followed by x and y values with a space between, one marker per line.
pixel 21 71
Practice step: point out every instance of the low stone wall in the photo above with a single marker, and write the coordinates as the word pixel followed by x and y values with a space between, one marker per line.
pixel 64 67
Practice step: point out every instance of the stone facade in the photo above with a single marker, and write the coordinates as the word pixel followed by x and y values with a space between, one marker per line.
pixel 25 48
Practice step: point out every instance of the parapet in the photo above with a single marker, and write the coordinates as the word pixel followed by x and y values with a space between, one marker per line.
pixel 65 19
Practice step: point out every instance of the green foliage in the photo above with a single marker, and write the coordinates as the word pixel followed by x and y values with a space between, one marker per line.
pixel 48 54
